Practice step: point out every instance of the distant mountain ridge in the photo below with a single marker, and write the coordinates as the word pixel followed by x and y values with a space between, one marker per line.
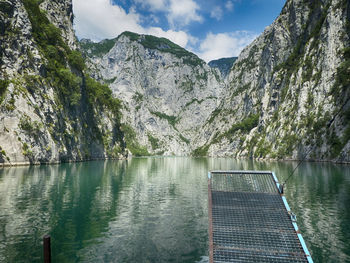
pixel 167 91
pixel 147 41
pixel 223 64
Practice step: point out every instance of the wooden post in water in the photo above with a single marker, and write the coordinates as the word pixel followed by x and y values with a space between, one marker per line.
pixel 47 248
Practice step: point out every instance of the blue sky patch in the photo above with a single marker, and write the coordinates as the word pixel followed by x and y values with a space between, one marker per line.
pixel 211 29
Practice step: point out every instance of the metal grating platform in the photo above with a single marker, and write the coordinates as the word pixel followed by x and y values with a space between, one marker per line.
pixel 250 221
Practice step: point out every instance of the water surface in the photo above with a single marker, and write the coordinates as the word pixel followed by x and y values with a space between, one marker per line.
pixel 153 209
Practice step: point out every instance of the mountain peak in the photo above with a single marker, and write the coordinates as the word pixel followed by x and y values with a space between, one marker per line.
pixel 163 45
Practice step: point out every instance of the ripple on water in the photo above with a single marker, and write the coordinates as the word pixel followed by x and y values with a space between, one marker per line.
pixel 153 209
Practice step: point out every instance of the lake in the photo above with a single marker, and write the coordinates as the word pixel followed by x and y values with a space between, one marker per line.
pixel 153 209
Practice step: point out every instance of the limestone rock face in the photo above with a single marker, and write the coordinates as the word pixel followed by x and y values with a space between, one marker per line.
pixel 288 92
pixel 60 13
pixel 168 92
pixel 37 124
pixel 287 95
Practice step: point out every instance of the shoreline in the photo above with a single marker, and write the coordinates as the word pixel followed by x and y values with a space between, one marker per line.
pixel 19 164
pixel 22 164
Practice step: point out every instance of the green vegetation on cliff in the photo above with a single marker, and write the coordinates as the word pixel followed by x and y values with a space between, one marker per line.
pixel 148 41
pixel 79 97
pixel 101 94
pixel 132 143
pixel 172 120
pixel 3 86
pixel 57 53
pixel 97 49
pixel 244 126
pixel 201 151
pixel 60 59
pixel 164 45
pixel 342 82
pixel 154 141
pixel 310 34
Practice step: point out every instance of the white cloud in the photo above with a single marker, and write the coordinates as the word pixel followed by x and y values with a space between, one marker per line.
pixel 179 37
pixel 178 12
pixel 100 19
pixel 154 19
pixel 216 13
pixel 154 5
pixel 224 44
pixel 229 5
pixel 183 12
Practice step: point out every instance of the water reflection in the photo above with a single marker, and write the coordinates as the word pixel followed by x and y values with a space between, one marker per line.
pixel 320 194
pixel 153 209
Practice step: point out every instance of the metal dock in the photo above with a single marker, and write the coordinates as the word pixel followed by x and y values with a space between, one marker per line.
pixel 250 220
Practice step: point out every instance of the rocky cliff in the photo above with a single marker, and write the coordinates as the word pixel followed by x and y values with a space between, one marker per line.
pixel 167 92
pixel 288 92
pixel 286 96
pixel 50 110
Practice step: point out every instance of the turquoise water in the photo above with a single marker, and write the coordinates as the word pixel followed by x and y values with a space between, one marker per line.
pixel 153 209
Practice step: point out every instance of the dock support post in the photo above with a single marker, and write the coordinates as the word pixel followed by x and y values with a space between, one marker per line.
pixel 47 248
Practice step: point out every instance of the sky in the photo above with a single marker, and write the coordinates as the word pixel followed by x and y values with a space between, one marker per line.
pixel 211 29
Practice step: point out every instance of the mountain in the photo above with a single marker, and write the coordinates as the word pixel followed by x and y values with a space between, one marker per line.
pixel 223 64
pixel 288 93
pixel 167 92
pixel 285 97
pixel 50 110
